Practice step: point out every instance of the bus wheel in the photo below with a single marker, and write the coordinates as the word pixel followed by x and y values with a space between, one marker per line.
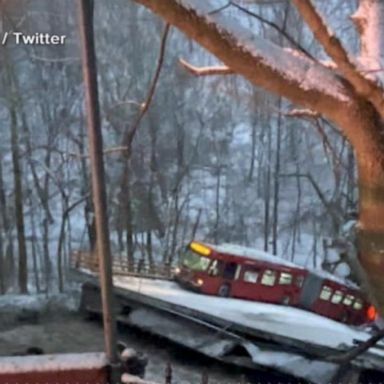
pixel 223 290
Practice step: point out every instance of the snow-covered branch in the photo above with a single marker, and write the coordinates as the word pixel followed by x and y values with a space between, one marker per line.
pixel 206 71
pixel 278 70
pixel 300 112
pixel 369 21
pixel 332 45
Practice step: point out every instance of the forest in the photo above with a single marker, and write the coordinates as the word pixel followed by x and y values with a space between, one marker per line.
pixel 214 158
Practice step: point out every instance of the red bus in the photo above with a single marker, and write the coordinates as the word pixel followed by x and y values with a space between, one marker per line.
pixel 234 271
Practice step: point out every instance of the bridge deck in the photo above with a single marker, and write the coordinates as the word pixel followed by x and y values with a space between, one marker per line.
pixel 280 320
pixel 291 340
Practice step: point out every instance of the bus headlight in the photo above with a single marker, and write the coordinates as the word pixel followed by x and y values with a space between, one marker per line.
pixel 199 282
pixel 177 270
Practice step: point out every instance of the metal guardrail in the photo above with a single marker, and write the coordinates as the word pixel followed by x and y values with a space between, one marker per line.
pixel 120 266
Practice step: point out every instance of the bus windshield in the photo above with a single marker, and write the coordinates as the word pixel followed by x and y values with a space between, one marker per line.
pixel 194 261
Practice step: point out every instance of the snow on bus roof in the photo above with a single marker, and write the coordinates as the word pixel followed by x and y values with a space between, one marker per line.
pixel 330 276
pixel 256 254
pixel 251 253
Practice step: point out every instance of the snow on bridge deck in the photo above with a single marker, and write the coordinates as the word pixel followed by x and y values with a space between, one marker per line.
pixel 288 340
pixel 288 322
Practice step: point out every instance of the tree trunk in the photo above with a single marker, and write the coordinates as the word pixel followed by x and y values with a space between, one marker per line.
pixel 253 152
pixel 175 227
pixel 23 268
pixel 60 244
pixel 196 224
pixel 276 186
pixel 370 229
pixel 368 142
pixel 17 174
pixel 216 234
pixel 296 221
pixel 2 274
pixel 5 230
pixel 351 182
pixel 150 250
pixel 46 222
pixel 33 245
pixel 267 192
pixel 127 206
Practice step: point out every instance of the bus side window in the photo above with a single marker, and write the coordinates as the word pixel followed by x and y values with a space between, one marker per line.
pixel 285 278
pixel 269 278
pixel 251 275
pixel 337 297
pixel 358 305
pixel 230 271
pixel 326 293
pixel 348 300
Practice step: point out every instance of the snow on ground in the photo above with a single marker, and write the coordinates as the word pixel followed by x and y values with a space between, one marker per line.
pixel 280 320
pixel 38 302
pixel 29 308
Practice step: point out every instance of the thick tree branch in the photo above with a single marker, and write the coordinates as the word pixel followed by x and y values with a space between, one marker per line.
pixel 333 47
pixel 264 64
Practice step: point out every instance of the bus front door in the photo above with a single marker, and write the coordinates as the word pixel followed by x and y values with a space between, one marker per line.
pixel 220 276
pixel 214 278
pixel 230 272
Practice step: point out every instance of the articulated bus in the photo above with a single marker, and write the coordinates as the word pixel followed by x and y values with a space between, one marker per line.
pixel 229 270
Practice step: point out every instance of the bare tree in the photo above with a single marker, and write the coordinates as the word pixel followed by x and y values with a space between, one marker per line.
pixel 17 179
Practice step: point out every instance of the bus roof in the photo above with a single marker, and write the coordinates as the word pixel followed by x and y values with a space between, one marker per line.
pixel 251 253
pixel 332 277
pixel 255 254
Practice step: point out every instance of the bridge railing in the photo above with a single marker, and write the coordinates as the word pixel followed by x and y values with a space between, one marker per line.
pixel 84 260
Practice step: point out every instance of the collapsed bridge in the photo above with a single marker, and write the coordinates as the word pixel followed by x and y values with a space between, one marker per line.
pixel 248 334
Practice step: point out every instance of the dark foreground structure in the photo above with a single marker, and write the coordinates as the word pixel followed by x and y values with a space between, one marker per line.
pixel 81 368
